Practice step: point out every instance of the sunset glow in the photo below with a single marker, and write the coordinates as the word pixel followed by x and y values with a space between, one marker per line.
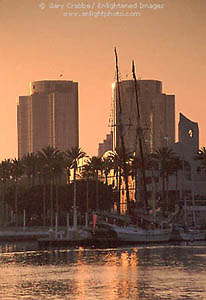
pixel 44 42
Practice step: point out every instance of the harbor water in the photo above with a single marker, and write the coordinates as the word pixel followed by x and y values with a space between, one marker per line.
pixel 143 272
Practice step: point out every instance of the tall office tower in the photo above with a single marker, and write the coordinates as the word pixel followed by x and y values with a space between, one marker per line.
pixel 157 115
pixel 48 116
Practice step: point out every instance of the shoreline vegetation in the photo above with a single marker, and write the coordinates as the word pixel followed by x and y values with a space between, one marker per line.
pixel 40 186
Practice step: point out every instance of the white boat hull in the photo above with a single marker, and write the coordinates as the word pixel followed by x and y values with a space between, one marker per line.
pixel 192 235
pixel 131 234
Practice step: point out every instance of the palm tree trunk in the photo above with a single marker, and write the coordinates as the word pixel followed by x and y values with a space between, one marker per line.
pixel 4 210
pixel 1 207
pixel 106 178
pixel 33 173
pixel 176 175
pixel 75 202
pixel 16 205
pixel 163 191
pixel 4 215
pixel 119 190
pixel 97 191
pixel 57 200
pixel 44 204
pixel 52 206
pixel 167 199
pixel 87 202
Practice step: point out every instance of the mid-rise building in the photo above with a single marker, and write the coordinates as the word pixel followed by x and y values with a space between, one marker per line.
pixel 106 145
pixel 48 116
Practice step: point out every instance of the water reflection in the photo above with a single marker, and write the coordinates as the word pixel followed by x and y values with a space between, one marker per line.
pixel 165 272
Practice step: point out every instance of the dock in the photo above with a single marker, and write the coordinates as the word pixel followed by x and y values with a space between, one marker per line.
pixel 45 243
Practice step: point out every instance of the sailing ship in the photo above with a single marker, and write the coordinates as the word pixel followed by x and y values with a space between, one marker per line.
pixel 140 235
pixel 120 228
pixel 130 232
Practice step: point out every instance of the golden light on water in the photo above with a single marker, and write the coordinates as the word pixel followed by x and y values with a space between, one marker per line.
pixel 146 272
pixel 105 277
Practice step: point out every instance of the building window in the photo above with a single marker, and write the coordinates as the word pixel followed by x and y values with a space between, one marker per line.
pixel 190 133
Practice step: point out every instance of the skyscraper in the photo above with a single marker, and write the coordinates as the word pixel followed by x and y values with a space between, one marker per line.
pixel 48 116
pixel 157 115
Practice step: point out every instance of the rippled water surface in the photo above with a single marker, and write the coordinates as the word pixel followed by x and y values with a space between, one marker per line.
pixel 145 272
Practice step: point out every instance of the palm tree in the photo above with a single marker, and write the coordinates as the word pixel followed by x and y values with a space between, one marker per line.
pixel 94 165
pixel 135 167
pixel 48 156
pixel 17 170
pixel 117 161
pixel 67 168
pixel 73 156
pixel 58 171
pixel 29 163
pixel 107 165
pixel 42 175
pixel 177 165
pixel 5 172
pixel 165 157
pixel 86 173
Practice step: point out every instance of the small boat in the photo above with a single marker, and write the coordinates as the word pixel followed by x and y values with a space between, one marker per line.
pixel 192 234
pixel 182 233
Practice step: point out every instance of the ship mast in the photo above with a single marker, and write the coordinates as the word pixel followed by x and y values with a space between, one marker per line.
pixel 120 128
pixel 139 132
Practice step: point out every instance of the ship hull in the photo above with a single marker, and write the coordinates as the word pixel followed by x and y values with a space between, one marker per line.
pixel 142 235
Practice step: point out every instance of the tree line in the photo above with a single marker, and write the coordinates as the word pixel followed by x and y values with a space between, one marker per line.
pixel 52 182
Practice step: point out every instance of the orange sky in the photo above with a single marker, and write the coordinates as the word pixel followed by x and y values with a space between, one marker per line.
pixel 168 44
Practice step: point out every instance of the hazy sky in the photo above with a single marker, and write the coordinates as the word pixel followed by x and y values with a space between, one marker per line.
pixel 40 43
